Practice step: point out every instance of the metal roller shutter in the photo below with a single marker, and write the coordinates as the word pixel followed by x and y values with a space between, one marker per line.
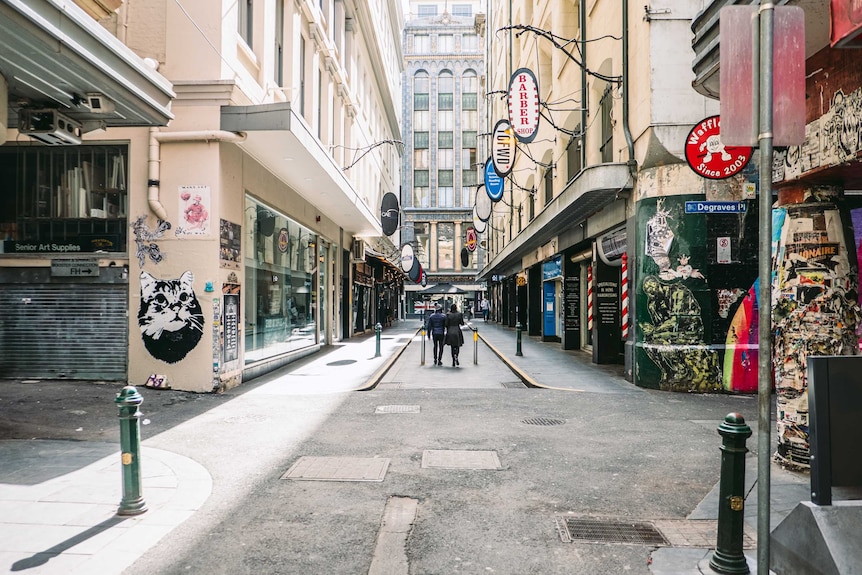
pixel 74 331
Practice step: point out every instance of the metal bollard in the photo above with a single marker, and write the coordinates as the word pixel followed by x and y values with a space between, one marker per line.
pixel 128 401
pixel 728 556
pixel 518 329
pixel 475 344
pixel 377 329
pixel 422 358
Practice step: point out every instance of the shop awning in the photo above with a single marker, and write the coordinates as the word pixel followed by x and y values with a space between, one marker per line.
pixel 595 187
pixel 283 143
pixel 52 54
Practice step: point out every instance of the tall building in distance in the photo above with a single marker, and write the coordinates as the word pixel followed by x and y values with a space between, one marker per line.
pixel 442 95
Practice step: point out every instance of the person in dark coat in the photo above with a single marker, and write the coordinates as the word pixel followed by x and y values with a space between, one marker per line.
pixel 454 337
pixel 436 330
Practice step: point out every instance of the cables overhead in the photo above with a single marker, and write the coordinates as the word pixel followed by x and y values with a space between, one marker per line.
pixel 365 150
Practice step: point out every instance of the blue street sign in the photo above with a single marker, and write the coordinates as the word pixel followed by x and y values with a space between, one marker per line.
pixel 716 207
pixel 493 182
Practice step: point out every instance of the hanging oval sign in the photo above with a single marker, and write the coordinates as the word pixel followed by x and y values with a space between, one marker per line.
pixel 493 182
pixel 424 280
pixel 390 213
pixel 407 258
pixel 524 104
pixel 471 239
pixel 503 147
pixel 415 271
pixel 483 204
pixel 465 257
pixel 708 157
pixel 478 224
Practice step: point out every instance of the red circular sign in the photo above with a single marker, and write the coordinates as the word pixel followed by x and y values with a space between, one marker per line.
pixel 708 157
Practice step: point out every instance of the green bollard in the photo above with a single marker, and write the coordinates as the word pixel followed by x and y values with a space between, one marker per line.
pixel 377 329
pixel 128 401
pixel 728 556
pixel 518 329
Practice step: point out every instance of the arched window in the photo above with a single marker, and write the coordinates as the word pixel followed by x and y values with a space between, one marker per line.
pixel 421 88
pixel 445 88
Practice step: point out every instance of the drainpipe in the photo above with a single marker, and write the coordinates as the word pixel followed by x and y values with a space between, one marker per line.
pixel 582 16
pixel 632 162
pixel 154 159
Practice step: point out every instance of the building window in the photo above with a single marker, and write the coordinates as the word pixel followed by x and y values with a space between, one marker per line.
pixel 420 101
pixel 446 159
pixel 280 303
pixel 469 43
pixel 421 121
pixel 606 105
pixel 445 139
pixel 573 154
pixel 73 199
pixel 426 10
pixel 421 44
pixel 302 76
pixel 445 87
pixel 445 245
pixel 548 181
pixel 445 120
pixel 421 198
pixel 468 139
pixel 469 101
pixel 245 20
pixel 421 87
pixel 445 44
pixel 421 159
pixel 422 249
pixel 531 205
pixel 462 10
pixel 420 140
pixel 445 189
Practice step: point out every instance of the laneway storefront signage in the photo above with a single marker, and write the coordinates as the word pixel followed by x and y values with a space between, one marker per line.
pixel 75 268
pixel 503 147
pixel 709 157
pixel 493 182
pixel 407 258
pixel 716 207
pixel 471 239
pixel 524 105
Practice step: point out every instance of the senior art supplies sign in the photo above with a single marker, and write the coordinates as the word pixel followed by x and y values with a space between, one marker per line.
pixel 524 105
pixel 708 157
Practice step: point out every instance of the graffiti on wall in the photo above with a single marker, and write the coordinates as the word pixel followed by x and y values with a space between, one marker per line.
pixel 170 317
pixel 742 343
pixel 815 309
pixel 145 240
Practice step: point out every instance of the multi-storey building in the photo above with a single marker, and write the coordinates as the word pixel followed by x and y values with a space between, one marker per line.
pixel 442 103
pixel 591 244
pixel 185 184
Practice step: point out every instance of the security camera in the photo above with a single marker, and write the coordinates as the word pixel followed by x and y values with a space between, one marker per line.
pixel 100 104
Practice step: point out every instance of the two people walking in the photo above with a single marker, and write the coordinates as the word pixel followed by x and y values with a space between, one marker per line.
pixel 446 330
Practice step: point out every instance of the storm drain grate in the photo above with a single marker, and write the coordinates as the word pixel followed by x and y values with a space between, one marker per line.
pixel 604 531
pixel 341 362
pixel 397 409
pixel 543 421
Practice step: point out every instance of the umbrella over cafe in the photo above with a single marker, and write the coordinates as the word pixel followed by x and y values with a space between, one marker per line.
pixel 442 289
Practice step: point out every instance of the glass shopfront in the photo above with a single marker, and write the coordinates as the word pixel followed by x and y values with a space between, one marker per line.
pixel 281 265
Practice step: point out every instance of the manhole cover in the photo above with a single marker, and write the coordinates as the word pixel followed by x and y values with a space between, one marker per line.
pixel 397 409
pixel 342 362
pixel 338 469
pixel 543 421
pixel 605 531
pixel 460 459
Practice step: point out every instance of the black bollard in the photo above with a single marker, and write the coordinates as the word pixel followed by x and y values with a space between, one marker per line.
pixel 518 329
pixel 728 556
pixel 128 401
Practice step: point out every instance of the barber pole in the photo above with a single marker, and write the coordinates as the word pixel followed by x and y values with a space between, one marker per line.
pixel 625 296
pixel 590 298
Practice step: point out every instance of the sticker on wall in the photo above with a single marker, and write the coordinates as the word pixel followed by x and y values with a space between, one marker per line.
pixel 195 209
pixel 145 240
pixel 230 243
pixel 231 327
pixel 170 318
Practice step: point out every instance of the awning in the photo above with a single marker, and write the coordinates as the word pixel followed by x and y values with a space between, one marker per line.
pixel 282 142
pixel 594 188
pixel 52 54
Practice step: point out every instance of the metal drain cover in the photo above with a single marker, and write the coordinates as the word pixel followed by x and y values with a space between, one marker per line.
pixel 609 531
pixel 341 362
pixel 543 421
pixel 397 409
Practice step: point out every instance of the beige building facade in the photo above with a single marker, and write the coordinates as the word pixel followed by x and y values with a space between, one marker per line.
pixel 228 236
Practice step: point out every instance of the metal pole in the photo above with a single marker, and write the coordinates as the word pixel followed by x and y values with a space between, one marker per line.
pixel 764 313
pixel 475 345
pixel 377 329
pixel 422 357
pixel 518 329
pixel 128 401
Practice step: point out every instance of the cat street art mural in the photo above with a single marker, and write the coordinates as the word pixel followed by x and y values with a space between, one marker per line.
pixel 670 317
pixel 170 317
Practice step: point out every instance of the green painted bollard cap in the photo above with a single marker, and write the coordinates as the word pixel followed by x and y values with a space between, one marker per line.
pixel 129 396
pixel 734 424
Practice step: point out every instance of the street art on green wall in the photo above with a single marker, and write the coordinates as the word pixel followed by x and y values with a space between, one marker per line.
pixel 673 352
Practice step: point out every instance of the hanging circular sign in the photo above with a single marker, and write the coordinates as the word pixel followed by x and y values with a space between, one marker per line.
pixel 470 243
pixel 424 280
pixel 282 240
pixel 390 213
pixel 465 257
pixel 415 271
pixel 708 157
pixel 407 258
pixel 483 204
pixel 524 104
pixel 503 147
pixel 493 182
pixel 478 224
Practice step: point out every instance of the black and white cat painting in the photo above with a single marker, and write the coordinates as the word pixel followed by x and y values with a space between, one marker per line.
pixel 170 318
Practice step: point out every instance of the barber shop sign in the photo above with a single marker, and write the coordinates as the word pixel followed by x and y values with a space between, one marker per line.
pixel 524 105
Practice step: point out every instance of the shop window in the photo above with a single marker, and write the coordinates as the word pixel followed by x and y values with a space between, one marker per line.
pixel 64 199
pixel 445 245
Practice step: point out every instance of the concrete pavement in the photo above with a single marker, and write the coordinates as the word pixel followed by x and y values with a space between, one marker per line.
pixel 58 501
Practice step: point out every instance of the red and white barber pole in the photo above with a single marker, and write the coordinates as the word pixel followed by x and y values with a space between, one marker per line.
pixel 625 296
pixel 590 298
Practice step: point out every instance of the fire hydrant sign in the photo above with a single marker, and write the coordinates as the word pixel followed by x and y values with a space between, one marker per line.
pixel 524 105
pixel 75 268
pixel 708 157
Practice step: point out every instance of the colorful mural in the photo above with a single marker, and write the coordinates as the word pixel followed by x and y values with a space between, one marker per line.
pixel 815 307
pixel 170 317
